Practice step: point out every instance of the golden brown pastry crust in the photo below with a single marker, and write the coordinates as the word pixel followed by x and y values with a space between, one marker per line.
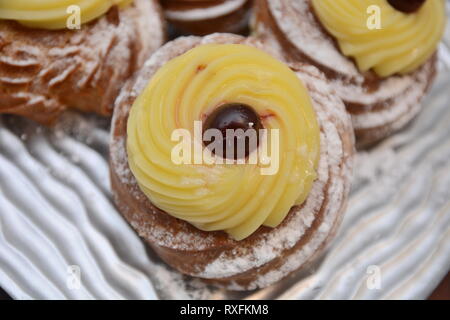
pixel 378 107
pixel 209 16
pixel 269 254
pixel 44 72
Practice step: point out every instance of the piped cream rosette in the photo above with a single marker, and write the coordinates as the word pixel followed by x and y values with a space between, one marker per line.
pixel 401 42
pixel 54 14
pixel 233 197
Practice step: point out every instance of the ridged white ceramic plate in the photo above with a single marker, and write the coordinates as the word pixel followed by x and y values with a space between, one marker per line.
pixel 58 224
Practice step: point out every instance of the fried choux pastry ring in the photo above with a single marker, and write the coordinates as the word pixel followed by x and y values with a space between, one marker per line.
pixel 379 55
pixel 47 68
pixel 230 223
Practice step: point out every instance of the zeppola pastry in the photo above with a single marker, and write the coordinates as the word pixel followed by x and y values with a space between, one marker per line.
pixel 242 219
pixel 378 54
pixel 201 17
pixel 64 54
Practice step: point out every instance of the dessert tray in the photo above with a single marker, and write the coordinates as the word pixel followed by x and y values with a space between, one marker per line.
pixel 62 238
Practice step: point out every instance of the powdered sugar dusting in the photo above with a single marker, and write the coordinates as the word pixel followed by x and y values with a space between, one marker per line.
pixel 211 12
pixel 376 111
pixel 296 20
pixel 406 105
pixel 333 181
pixel 81 69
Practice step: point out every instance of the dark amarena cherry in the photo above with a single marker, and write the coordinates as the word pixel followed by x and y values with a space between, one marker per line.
pixel 407 6
pixel 234 116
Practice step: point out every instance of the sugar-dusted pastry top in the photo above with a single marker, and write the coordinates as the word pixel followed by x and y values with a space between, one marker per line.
pixel 236 198
pixel 403 42
pixel 193 10
pixel 53 14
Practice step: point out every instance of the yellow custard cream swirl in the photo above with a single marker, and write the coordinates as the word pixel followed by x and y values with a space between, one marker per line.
pixel 236 198
pixel 403 42
pixel 54 14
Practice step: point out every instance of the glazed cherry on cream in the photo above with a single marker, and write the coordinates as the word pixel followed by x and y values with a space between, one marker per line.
pixel 407 6
pixel 235 116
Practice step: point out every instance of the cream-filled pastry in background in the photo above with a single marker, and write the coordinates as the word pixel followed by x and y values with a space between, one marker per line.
pixel 48 63
pixel 380 55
